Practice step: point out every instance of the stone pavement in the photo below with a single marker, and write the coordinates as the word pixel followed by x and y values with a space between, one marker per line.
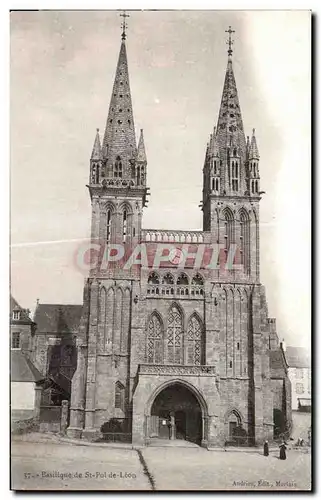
pixel 99 466
pixel 199 469
pixel 61 466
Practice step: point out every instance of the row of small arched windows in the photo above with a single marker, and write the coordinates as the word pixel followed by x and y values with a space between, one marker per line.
pixel 168 279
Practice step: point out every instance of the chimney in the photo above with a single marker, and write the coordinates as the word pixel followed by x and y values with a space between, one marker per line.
pixel 283 345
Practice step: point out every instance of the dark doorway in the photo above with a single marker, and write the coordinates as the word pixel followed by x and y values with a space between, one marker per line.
pixel 180 423
pixel 179 401
pixel 279 422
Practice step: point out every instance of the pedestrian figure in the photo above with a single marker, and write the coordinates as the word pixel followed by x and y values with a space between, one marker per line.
pixel 282 451
pixel 266 449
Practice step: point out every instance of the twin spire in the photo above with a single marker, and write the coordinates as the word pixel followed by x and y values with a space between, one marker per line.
pixel 119 141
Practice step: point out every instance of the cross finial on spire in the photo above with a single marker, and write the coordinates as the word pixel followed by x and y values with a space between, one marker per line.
pixel 230 42
pixel 124 25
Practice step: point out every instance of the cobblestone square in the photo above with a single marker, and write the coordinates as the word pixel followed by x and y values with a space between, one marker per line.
pixel 62 466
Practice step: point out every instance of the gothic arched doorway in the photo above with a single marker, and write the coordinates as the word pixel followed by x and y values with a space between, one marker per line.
pixel 176 414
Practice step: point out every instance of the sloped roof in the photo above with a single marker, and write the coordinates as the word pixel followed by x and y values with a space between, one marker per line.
pixel 297 357
pixel 22 369
pixel 58 318
pixel 24 315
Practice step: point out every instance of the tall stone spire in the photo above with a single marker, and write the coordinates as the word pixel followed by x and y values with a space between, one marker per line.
pixel 230 131
pixel 119 138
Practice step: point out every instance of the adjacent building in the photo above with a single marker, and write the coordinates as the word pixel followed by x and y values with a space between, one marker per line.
pixel 25 379
pixel 299 363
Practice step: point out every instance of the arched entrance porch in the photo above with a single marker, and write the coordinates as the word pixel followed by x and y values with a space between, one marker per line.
pixel 177 411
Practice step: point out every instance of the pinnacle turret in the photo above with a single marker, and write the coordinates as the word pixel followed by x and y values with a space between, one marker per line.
pixel 253 150
pixel 213 147
pixel 96 152
pixel 141 153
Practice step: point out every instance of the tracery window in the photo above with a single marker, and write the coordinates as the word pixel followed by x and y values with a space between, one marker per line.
pixel 175 337
pixel 155 340
pixel 182 279
pixel 168 279
pixel 197 280
pixel 153 279
pixel 194 341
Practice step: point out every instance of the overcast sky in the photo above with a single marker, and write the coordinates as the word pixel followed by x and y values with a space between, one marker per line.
pixel 62 71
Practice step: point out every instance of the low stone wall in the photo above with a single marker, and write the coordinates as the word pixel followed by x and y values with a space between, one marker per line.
pixel 24 425
pixel 49 427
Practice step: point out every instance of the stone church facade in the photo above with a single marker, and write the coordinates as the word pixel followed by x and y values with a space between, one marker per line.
pixel 177 350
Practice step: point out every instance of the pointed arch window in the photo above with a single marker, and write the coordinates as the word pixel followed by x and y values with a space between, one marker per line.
pixel 194 342
pixel 138 175
pixel 235 176
pixel 118 171
pixel 168 279
pixel 108 225
pixel 182 279
pixel 234 421
pixel 153 279
pixel 245 240
pixel 119 396
pixel 229 229
pixel 155 338
pixel 215 167
pixel 198 280
pixel 125 220
pixel 175 337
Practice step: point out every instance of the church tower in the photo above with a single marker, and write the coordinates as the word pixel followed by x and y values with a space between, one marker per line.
pixel 231 191
pixel 117 187
pixel 117 182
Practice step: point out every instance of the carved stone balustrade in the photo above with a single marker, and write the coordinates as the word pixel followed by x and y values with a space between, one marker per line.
pixel 199 371
pixel 191 291
pixel 168 236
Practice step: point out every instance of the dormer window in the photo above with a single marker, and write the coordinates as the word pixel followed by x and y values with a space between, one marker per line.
pixel 16 315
